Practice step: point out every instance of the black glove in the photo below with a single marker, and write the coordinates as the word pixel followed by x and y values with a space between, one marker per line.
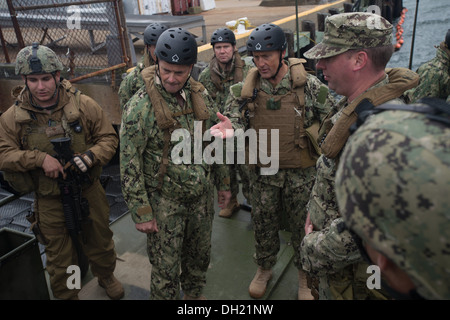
pixel 82 162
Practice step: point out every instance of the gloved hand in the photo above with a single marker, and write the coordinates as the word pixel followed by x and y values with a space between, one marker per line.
pixel 84 161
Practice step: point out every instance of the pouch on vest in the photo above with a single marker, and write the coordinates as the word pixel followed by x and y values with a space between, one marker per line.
pixel 298 146
pixel 20 182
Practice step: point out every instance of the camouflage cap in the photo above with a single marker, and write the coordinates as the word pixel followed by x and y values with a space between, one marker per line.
pixel 351 30
pixel 37 59
pixel 392 187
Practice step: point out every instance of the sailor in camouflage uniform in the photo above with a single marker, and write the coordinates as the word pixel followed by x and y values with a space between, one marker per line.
pixel 392 188
pixel 281 96
pixel 225 69
pixel 353 55
pixel 170 200
pixel 133 81
pixel 49 107
pixel 434 75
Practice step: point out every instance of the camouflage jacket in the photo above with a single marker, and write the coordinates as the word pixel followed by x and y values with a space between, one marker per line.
pixel 141 151
pixel 328 248
pixel 133 81
pixel 317 105
pixel 392 187
pixel 434 77
pixel 226 77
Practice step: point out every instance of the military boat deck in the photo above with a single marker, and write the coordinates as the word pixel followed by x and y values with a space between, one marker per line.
pixel 231 268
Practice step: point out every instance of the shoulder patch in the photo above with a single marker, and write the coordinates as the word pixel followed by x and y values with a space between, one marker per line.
pixel 236 89
pixel 323 93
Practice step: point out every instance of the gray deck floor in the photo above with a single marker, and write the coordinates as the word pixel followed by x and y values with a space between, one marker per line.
pixel 231 267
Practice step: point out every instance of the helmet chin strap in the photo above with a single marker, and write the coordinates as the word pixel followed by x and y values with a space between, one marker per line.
pixel 280 64
pixel 150 55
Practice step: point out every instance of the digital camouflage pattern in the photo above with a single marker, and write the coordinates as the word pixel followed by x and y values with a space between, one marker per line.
pixel 434 77
pixel 49 62
pixel 227 79
pixel 183 208
pixel 288 190
pixel 351 30
pixel 165 247
pixel 133 81
pixel 392 188
pixel 141 151
pixel 329 251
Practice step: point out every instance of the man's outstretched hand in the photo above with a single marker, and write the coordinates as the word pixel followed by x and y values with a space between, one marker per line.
pixel 223 129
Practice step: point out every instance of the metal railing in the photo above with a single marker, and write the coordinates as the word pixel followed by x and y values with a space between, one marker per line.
pixel 88 36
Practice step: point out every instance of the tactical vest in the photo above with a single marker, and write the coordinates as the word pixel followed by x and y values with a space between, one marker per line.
pixel 297 144
pixel 35 136
pixel 165 119
pixel 237 77
pixel 334 137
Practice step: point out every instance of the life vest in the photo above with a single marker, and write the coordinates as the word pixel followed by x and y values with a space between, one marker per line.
pixel 165 119
pixel 238 74
pixel 297 144
pixel 334 137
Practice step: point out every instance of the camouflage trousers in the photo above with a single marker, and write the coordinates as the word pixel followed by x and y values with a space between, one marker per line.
pixel 96 240
pixel 244 174
pixel 180 252
pixel 349 283
pixel 276 198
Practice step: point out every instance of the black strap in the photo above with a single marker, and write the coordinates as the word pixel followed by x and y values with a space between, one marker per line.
pixel 435 109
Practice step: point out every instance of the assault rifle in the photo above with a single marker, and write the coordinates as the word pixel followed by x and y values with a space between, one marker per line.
pixel 75 207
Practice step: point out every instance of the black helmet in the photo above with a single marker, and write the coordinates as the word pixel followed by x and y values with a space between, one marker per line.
pixel 266 37
pixel 152 33
pixel 223 35
pixel 177 46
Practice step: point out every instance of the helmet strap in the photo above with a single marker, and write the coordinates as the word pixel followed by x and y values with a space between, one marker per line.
pixel 280 64
pixel 147 48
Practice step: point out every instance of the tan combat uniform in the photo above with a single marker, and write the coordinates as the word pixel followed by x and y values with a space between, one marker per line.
pixel 25 134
